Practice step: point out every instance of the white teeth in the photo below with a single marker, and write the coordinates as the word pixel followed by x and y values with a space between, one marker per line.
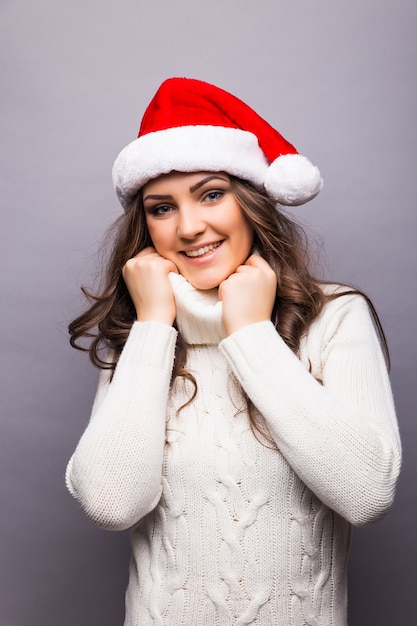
pixel 201 251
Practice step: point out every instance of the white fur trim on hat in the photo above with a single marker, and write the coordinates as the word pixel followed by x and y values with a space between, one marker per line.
pixel 188 149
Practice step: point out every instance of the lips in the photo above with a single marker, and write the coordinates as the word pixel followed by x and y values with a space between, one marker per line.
pixel 202 251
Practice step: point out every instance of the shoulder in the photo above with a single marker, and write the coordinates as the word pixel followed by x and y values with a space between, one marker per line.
pixel 338 290
pixel 347 311
pixel 341 301
pixel 345 320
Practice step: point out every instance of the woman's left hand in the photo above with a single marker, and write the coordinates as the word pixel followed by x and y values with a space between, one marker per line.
pixel 248 295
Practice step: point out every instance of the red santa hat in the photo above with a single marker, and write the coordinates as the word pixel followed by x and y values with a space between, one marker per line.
pixel 192 126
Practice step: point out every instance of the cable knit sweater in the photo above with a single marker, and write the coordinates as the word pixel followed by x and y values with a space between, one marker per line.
pixel 227 529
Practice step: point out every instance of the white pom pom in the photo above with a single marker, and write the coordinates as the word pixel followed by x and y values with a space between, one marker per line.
pixel 292 179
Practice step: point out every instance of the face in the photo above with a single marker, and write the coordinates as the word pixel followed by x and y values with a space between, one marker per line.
pixel 195 221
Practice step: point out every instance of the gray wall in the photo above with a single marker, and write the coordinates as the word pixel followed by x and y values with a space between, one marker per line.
pixel 339 80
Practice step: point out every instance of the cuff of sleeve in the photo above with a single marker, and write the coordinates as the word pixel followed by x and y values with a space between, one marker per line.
pixel 151 344
pixel 249 350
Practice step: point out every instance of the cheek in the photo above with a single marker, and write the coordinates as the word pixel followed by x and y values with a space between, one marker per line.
pixel 246 236
pixel 159 235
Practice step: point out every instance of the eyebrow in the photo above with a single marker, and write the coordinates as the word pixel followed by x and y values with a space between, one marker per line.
pixel 193 188
pixel 206 180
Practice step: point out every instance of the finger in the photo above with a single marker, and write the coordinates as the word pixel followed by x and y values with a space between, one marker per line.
pixel 242 268
pixel 151 253
pixel 146 251
pixel 255 260
pixel 173 268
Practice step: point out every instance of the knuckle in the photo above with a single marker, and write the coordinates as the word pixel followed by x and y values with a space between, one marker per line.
pixel 129 265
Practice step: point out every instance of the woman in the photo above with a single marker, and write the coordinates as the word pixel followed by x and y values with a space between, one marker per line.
pixel 243 419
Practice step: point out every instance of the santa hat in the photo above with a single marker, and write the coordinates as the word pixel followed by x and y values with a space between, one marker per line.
pixel 192 126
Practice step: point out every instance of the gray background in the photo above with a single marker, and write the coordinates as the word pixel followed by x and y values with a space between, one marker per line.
pixel 338 79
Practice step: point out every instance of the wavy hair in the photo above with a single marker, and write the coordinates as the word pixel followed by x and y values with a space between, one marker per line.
pixel 277 238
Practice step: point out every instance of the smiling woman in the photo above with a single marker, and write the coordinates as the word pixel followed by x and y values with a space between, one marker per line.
pixel 194 220
pixel 243 419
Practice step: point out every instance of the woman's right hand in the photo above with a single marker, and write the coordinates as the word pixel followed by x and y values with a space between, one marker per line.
pixel 146 277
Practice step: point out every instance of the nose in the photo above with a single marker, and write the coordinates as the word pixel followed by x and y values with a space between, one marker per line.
pixel 190 222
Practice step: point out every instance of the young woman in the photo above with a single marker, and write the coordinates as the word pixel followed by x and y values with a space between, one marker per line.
pixel 243 419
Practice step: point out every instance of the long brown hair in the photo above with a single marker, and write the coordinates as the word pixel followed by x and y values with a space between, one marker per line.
pixel 278 239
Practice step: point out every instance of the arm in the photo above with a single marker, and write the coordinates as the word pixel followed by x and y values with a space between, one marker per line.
pixel 115 472
pixel 340 436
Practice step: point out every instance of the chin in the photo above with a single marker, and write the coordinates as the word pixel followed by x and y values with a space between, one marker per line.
pixel 209 278
pixel 204 283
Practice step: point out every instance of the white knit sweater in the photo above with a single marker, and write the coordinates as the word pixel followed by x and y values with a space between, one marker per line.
pixel 227 530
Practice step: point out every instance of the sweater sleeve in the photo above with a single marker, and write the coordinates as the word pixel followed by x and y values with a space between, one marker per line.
pixel 338 430
pixel 115 471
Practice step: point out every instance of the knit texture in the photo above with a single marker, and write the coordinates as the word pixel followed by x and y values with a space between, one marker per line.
pixel 229 530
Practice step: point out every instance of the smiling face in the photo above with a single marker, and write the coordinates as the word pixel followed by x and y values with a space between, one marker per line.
pixel 195 221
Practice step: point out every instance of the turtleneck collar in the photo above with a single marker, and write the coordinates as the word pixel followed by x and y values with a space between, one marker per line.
pixel 199 312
